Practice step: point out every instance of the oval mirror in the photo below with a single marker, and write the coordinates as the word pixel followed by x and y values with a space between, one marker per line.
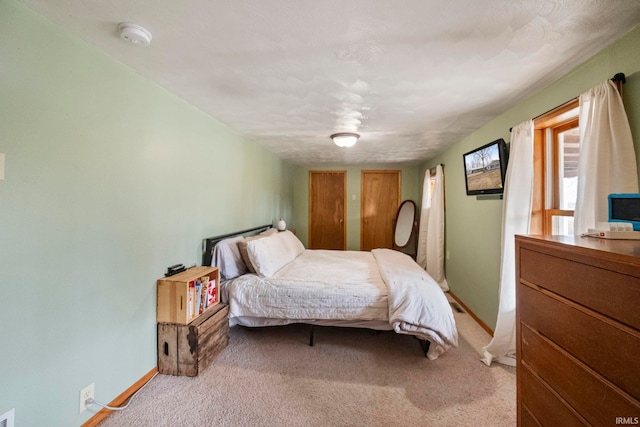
pixel 405 220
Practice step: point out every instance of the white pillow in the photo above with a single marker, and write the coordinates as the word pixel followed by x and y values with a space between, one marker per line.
pixel 226 256
pixel 291 241
pixel 242 246
pixel 270 254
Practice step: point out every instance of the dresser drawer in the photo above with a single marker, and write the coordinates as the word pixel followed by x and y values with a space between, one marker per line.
pixel 537 399
pixel 527 419
pixel 596 400
pixel 612 352
pixel 584 284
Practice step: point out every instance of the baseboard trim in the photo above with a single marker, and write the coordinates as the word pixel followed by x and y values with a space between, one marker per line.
pixel 104 413
pixel 472 314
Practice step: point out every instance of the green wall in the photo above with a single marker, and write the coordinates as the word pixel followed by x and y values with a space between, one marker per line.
pixel 109 180
pixel 411 189
pixel 473 227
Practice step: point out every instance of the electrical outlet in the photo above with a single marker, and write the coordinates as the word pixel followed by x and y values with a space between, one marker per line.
pixel 86 393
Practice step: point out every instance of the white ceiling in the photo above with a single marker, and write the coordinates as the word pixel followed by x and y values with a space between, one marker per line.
pixel 411 76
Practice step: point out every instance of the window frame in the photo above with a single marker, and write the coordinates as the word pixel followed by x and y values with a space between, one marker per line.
pixel 546 196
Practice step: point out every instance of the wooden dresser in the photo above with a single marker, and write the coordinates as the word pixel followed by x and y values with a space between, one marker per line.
pixel 578 331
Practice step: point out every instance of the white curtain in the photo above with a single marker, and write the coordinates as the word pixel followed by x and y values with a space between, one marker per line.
pixel 435 232
pixel 516 218
pixel 607 162
pixel 430 254
pixel 423 230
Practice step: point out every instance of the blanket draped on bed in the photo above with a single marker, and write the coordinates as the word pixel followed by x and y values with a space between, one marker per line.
pixel 382 285
pixel 417 305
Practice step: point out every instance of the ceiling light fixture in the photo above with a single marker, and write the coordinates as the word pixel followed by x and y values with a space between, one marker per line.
pixel 135 34
pixel 345 139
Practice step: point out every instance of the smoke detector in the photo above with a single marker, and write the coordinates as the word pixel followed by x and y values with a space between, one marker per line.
pixel 135 34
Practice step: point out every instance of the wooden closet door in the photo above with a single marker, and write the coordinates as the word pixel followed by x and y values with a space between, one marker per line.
pixel 327 210
pixel 380 201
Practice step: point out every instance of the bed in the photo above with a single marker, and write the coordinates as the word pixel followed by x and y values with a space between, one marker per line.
pixel 268 278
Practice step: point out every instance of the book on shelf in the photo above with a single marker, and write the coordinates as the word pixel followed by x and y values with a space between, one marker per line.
pixel 212 294
pixel 203 293
pixel 196 305
pixel 191 299
pixel 202 299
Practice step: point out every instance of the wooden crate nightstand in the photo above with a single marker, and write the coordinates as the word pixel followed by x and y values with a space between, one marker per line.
pixel 189 349
pixel 190 337
pixel 176 301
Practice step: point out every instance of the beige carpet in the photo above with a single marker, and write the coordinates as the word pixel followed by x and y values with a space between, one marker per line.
pixel 350 377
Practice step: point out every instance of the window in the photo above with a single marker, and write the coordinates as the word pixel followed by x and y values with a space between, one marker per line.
pixel 556 151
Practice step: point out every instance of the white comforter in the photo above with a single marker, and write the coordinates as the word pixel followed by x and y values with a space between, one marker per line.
pixel 382 285
pixel 318 284
pixel 417 305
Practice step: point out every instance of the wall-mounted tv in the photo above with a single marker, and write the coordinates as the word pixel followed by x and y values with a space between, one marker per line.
pixel 485 168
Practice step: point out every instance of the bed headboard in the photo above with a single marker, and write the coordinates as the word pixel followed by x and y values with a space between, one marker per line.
pixel 210 242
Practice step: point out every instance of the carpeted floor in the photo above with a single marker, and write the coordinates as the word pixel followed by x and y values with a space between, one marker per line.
pixel 350 377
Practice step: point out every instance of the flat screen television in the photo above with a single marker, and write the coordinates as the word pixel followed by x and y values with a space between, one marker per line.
pixel 485 168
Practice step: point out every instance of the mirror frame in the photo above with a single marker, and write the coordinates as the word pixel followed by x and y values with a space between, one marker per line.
pixel 413 223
